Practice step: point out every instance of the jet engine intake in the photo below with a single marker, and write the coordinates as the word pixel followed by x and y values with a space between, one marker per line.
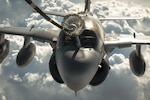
pixel 101 74
pixel 53 69
pixel 137 64
pixel 26 55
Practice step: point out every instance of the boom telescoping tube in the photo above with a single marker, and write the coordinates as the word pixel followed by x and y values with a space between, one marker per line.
pixel 35 7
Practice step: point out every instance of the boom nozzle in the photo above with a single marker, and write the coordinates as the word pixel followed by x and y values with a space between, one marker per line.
pixel 74 24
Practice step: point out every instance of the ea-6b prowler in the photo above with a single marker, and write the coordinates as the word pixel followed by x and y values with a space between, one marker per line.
pixel 80 48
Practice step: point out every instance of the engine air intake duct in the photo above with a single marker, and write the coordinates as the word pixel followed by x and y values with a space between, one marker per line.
pixel 137 64
pixel 101 74
pixel 54 70
pixel 26 55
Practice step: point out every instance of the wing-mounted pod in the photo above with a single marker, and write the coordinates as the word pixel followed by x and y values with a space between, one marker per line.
pixel 26 53
pixel 137 63
pixel 4 47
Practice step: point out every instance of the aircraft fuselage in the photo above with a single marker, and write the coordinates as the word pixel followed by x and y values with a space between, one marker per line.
pixel 76 64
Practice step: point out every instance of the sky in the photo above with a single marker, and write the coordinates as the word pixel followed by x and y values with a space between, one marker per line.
pixel 34 82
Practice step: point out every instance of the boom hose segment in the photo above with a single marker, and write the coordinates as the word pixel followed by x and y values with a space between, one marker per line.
pixel 35 7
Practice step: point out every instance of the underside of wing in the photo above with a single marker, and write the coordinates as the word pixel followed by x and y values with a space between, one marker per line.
pixel 113 41
pixel 37 34
pixel 28 50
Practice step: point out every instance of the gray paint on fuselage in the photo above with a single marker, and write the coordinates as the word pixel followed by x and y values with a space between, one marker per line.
pixel 76 64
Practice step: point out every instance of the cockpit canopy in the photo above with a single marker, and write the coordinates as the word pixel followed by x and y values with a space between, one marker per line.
pixel 88 39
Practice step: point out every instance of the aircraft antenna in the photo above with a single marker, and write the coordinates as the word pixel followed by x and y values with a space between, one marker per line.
pixel 87 6
pixel 36 8
pixel 76 93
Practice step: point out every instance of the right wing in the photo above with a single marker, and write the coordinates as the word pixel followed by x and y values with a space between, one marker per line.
pixel 113 41
pixel 37 34
pixel 106 18
pixel 120 18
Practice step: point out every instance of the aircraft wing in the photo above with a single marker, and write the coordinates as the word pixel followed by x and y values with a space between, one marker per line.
pixel 62 14
pixel 103 18
pixel 37 34
pixel 113 41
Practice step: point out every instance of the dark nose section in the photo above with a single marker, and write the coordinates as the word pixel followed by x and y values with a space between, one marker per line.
pixel 77 66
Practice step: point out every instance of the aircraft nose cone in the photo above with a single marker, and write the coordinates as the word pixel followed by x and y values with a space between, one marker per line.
pixel 76 66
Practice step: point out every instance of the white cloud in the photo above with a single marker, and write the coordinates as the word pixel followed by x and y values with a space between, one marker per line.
pixel 5 23
pixel 35 82
pixel 8 2
pixel 116 59
pixel 3 98
pixel 16 78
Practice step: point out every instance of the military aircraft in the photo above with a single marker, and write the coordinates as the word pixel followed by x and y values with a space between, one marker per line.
pixel 80 47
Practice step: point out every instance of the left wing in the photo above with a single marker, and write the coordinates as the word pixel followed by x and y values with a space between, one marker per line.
pixel 36 34
pixel 113 41
pixel 28 50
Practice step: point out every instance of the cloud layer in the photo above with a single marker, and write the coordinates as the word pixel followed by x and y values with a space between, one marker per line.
pixel 35 82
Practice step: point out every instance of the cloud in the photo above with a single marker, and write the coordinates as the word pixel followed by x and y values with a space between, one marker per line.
pixel 35 81
pixel 8 2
